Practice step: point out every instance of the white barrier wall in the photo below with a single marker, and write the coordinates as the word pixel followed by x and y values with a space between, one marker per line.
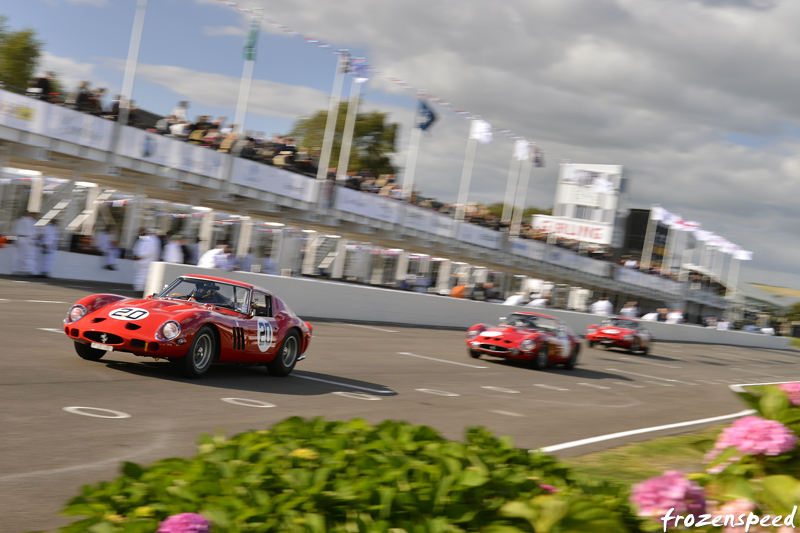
pixel 82 267
pixel 311 298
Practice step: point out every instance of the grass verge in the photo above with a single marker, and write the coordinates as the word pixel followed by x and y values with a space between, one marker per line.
pixel 636 462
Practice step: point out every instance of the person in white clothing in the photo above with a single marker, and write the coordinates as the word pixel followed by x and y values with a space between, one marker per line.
pixel 26 245
pixel 146 250
pixel 48 241
pixel 675 317
pixel 630 310
pixel 218 257
pixel 105 242
pixel 515 299
pixel 173 251
pixel 602 307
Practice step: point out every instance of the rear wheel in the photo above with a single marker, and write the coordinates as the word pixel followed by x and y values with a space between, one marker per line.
pixel 573 358
pixel 198 359
pixel 87 352
pixel 286 358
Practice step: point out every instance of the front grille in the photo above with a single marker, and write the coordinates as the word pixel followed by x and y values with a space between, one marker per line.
pixel 238 338
pixel 96 336
pixel 494 348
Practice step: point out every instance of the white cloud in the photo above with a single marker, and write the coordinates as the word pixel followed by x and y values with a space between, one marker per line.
pixel 216 31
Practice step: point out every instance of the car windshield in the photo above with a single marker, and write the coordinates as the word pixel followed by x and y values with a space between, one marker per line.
pixel 620 323
pixel 539 323
pixel 216 293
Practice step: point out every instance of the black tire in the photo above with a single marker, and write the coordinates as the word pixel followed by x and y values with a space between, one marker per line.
pixel 590 344
pixel 646 350
pixel 286 358
pixel 542 357
pixel 636 346
pixel 201 353
pixel 474 354
pixel 573 358
pixel 87 352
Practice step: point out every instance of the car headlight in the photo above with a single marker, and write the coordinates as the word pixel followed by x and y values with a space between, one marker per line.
pixel 589 331
pixel 471 334
pixel 627 338
pixel 527 344
pixel 169 330
pixel 75 313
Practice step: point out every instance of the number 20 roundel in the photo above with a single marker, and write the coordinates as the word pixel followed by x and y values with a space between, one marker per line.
pixel 129 313
pixel 265 336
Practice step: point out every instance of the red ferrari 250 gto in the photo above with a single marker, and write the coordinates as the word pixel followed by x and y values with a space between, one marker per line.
pixel 540 339
pixel 620 332
pixel 194 322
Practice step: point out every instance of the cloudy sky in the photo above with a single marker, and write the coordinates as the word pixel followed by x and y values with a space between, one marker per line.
pixel 696 99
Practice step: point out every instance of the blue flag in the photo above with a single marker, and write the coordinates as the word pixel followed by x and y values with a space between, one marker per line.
pixel 425 116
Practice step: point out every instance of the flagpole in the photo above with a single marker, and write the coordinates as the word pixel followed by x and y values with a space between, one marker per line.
pixel 731 291
pixel 411 163
pixel 466 176
pixel 511 185
pixel 669 251
pixel 649 236
pixel 333 116
pixel 521 197
pixel 130 65
pixel 349 127
pixel 247 71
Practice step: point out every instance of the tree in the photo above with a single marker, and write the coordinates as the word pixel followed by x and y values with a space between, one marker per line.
pixel 19 55
pixel 373 139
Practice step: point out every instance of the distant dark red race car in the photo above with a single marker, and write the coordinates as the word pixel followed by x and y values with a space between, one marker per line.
pixel 194 322
pixel 620 332
pixel 540 339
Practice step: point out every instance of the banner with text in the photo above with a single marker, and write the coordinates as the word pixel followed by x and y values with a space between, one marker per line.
pixel 275 180
pixel 22 113
pixel 368 205
pixel 572 229
pixel 422 219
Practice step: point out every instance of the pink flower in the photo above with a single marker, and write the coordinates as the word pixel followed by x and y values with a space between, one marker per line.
pixel 671 490
pixel 755 436
pixel 185 523
pixel 549 488
pixel 792 390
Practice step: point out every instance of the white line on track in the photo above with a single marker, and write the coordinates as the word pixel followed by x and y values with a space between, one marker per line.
pixel 551 387
pixel 741 386
pixel 440 360
pixel 44 301
pixel 357 395
pixel 52 330
pixel 610 436
pixel 644 375
pixel 629 385
pixel 438 392
pixel 507 413
pixel 500 389
pixel 367 327
pixel 647 362
pixel 707 382
pixel 343 384
pixel 659 383
pixel 593 385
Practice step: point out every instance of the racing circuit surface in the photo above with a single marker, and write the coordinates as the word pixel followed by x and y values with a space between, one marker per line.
pixel 67 422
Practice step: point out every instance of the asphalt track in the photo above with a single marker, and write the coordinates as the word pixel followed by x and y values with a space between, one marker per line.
pixel 67 422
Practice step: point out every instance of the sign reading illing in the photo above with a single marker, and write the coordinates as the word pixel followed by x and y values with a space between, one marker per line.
pixel 569 228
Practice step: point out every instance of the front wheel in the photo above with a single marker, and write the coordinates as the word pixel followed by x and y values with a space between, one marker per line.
pixel 635 346
pixel 542 357
pixel 286 358
pixel 87 352
pixel 590 343
pixel 198 359
pixel 474 354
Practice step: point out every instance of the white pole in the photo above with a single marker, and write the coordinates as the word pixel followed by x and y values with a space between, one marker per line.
pixel 666 261
pixel 349 127
pixel 733 275
pixel 511 185
pixel 411 164
pixel 521 198
pixel 130 65
pixel 466 176
pixel 247 72
pixel 333 115
pixel 649 240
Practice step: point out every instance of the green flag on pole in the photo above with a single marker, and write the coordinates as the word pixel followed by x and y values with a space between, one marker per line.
pixel 251 40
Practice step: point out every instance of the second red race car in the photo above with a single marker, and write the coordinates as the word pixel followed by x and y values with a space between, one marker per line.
pixel 194 322
pixel 619 332
pixel 539 339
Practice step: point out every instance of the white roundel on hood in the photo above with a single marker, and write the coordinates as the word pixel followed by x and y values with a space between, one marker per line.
pixel 129 313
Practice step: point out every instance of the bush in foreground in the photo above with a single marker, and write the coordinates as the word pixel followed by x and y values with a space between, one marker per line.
pixel 320 476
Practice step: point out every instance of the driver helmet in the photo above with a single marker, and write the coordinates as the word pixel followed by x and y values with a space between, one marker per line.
pixel 205 290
